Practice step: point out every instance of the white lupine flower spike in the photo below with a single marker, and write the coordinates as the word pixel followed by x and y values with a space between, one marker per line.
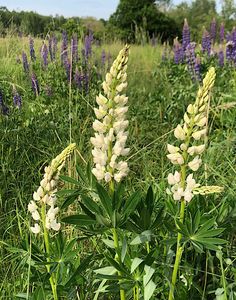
pixel 111 124
pixel 42 208
pixel 187 155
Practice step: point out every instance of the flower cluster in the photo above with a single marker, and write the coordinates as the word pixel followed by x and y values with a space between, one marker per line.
pixel 45 196
pixel 187 155
pixel 111 124
pixel 185 35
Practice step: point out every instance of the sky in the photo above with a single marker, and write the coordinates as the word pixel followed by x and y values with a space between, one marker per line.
pixel 68 8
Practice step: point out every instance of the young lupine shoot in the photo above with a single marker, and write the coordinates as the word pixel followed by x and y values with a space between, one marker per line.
pixel 111 125
pixel 43 207
pixel 186 156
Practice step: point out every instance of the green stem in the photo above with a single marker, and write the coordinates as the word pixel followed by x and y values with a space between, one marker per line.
pixel 52 279
pixel 116 244
pixel 179 249
pixel 223 277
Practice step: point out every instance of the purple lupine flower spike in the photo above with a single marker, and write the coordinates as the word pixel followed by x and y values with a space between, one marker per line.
pixel 50 48
pixel 74 48
pixel 191 60
pixel 64 48
pixel 35 84
pixel 229 47
pixel 185 35
pixel 78 79
pixel 67 66
pixel 178 52
pixel 206 42
pixel 32 51
pixel 17 101
pixel 44 54
pixel 25 62
pixel 222 32
pixel 221 56
pixel 213 30
pixel 88 45
pixel 197 69
pixel 5 110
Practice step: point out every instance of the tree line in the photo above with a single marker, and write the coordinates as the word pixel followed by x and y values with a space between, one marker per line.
pixel 133 20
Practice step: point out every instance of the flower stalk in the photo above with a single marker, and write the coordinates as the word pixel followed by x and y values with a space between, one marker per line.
pixel 45 198
pixel 187 157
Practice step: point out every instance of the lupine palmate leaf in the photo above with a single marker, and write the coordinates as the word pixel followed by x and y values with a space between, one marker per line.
pixel 201 235
pixel 131 203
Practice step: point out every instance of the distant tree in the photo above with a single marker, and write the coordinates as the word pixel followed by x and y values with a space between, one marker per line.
pixel 228 9
pixel 132 13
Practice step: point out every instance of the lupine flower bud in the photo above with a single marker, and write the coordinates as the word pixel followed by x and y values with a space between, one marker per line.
pixel 17 101
pixel 110 128
pixel 45 194
pixel 222 32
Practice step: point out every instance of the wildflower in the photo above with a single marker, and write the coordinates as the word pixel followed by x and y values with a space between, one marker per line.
pixel 222 32
pixel 74 48
pixel 5 110
pixel 64 48
pixel 42 207
pixel 17 101
pixel 111 124
pixel 206 42
pixel 35 84
pixel 178 52
pixel 221 57
pixel 32 51
pixel 213 30
pixel 25 62
pixel 187 155
pixel 88 45
pixel 185 35
pixel 44 54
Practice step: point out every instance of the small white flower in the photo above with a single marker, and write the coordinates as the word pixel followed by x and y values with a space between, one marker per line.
pixel 172 149
pixel 35 229
pixel 198 134
pixel 176 158
pixel 195 163
pixel 201 122
pixel 173 179
pixel 179 133
pixel 35 215
pixel 107 177
pixel 32 206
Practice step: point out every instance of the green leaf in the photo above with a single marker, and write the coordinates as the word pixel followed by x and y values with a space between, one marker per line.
pixel 105 199
pixel 142 238
pixel 81 174
pixel 84 264
pixel 106 271
pixel 150 200
pixel 131 203
pixel 70 199
pixel 149 290
pixel 91 204
pixel 87 211
pixel 81 220
pixel 123 250
pixel 109 243
pixel 69 179
pixel 148 274
pixel 135 263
